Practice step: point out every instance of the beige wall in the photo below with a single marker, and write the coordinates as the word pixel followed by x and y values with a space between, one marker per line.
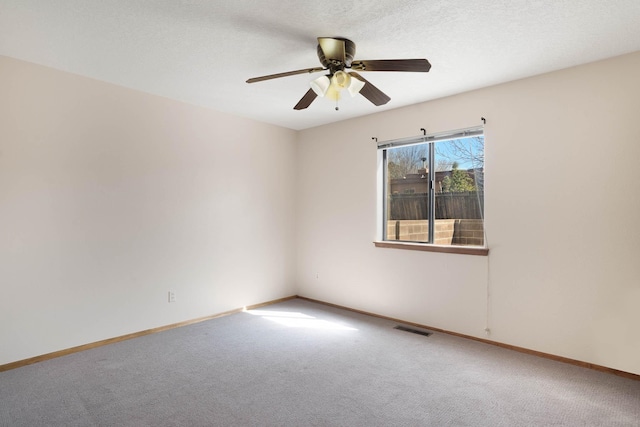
pixel 109 198
pixel 563 272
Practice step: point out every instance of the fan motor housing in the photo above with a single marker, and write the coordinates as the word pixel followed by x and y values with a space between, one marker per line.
pixel 333 65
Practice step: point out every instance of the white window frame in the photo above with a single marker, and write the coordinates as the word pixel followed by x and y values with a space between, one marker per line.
pixel 381 211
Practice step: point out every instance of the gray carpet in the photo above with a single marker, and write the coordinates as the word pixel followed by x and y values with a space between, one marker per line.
pixel 302 364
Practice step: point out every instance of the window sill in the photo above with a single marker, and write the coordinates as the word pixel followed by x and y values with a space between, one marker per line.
pixel 463 250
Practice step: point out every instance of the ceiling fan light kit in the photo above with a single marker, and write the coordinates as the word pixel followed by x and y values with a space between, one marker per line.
pixel 336 54
pixel 331 86
pixel 320 85
pixel 355 87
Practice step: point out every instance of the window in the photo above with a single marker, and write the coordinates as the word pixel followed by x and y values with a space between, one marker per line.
pixel 433 189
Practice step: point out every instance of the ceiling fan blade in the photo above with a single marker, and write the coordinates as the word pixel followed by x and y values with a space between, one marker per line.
pixel 333 49
pixel 413 65
pixel 369 91
pixel 286 74
pixel 306 100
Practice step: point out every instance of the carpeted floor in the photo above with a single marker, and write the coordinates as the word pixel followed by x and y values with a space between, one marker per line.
pixel 298 363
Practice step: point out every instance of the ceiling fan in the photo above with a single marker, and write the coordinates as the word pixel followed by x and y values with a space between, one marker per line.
pixel 336 56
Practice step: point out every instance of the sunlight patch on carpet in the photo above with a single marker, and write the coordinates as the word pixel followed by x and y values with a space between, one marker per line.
pixel 299 320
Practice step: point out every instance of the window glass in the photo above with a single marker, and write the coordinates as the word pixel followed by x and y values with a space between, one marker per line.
pixel 408 193
pixel 434 192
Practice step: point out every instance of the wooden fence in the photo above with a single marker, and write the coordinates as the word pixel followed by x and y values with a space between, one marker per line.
pixel 469 205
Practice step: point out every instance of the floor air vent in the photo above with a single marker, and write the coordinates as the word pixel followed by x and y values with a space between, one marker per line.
pixel 413 331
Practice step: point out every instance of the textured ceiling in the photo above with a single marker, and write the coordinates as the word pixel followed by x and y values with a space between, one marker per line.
pixel 201 52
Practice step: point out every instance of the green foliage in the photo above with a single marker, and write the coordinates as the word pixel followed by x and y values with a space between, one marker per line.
pixel 458 182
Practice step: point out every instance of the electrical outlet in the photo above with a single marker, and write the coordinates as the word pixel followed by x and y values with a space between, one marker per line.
pixel 172 296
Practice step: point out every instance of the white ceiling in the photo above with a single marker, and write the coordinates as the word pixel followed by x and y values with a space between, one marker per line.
pixel 202 51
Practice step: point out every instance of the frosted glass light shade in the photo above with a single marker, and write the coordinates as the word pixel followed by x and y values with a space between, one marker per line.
pixel 330 88
pixel 355 87
pixel 341 80
pixel 320 85
pixel 333 93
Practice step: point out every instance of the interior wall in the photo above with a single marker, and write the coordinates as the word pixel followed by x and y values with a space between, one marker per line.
pixel 109 198
pixel 562 203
